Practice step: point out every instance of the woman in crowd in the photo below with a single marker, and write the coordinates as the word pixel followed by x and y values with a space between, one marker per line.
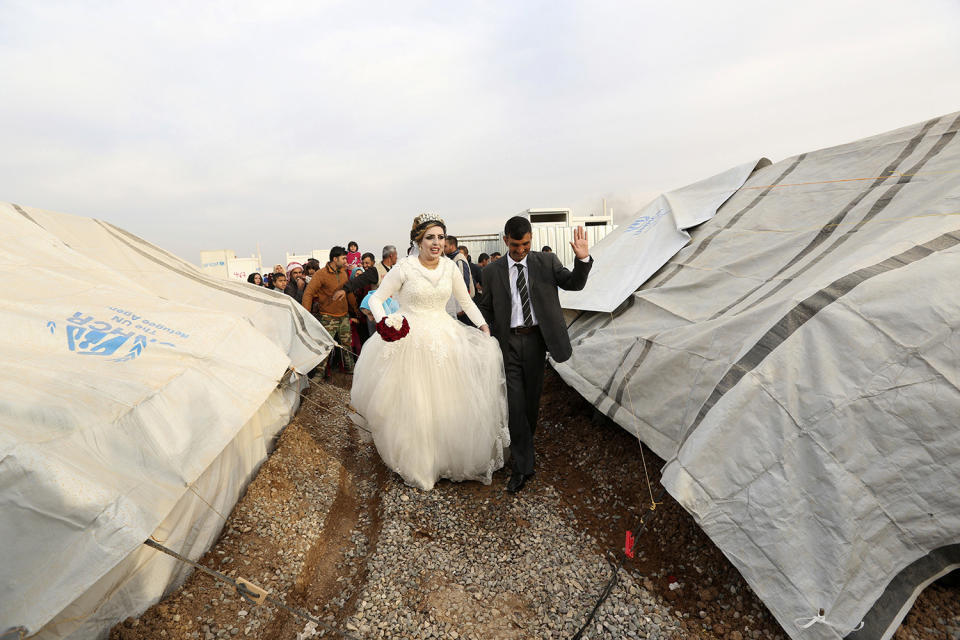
pixel 255 278
pixel 434 399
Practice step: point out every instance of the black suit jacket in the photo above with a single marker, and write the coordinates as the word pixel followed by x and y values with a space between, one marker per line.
pixel 546 275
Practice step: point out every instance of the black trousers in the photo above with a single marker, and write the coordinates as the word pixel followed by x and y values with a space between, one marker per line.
pixel 523 364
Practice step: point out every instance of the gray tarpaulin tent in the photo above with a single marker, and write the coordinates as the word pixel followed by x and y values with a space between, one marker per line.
pixel 139 396
pixel 796 364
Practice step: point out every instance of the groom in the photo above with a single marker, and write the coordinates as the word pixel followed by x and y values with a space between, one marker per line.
pixel 522 308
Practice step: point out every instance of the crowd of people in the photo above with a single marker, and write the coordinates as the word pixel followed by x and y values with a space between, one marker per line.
pixel 339 295
pixel 447 354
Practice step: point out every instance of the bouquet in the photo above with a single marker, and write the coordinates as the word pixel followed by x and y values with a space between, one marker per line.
pixel 393 327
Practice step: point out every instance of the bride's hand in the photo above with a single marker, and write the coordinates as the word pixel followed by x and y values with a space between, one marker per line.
pixel 485 329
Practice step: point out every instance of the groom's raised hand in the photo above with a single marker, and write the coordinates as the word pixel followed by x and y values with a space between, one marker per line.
pixel 579 245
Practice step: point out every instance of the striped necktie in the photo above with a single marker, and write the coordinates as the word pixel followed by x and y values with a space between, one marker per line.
pixel 524 296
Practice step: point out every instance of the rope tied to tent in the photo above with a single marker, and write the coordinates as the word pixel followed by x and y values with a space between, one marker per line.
pixel 891 174
pixel 615 567
pixel 646 475
pixel 194 491
pixel 250 592
pixel 631 540
pixel 820 618
pixel 281 383
pixel 631 537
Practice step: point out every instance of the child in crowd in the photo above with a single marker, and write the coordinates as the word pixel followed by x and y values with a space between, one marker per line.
pixel 353 256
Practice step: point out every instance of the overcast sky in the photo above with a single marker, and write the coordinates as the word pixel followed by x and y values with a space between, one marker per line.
pixel 300 125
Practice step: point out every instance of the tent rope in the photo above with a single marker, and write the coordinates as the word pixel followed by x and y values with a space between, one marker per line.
pixel 653 502
pixel 820 618
pixel 633 412
pixel 889 175
pixel 838 224
pixel 204 501
pixel 614 578
pixel 249 591
pixel 605 593
pixel 631 538
pixel 309 400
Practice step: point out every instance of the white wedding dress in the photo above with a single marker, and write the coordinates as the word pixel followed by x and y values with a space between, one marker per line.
pixel 435 400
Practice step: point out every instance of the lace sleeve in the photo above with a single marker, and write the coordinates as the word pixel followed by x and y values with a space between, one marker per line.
pixel 391 285
pixel 463 298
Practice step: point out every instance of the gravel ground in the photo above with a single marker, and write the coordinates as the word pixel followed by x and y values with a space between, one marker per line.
pixel 328 529
pixel 449 565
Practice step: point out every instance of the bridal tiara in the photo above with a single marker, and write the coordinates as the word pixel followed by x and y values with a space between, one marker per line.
pixel 427 217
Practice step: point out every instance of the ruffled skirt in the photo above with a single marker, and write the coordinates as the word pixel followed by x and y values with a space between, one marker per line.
pixel 435 401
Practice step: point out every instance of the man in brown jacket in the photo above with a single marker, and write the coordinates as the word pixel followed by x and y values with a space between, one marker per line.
pixel 332 313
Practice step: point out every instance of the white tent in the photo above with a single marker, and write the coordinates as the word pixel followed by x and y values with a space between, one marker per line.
pixel 140 396
pixel 633 252
pixel 797 366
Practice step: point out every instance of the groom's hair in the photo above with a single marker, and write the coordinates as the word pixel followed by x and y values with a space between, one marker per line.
pixel 517 227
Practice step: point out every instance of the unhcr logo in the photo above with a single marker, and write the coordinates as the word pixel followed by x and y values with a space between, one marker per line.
pixel 643 223
pixel 120 340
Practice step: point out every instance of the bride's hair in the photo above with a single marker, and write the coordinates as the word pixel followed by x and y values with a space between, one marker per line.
pixel 423 222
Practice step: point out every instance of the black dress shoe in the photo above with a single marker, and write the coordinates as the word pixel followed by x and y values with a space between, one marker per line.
pixel 517 480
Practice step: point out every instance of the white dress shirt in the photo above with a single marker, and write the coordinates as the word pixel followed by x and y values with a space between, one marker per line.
pixel 516 307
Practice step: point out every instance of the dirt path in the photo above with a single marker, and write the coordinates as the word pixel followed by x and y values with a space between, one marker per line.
pixel 311 528
pixel 350 532
pixel 317 582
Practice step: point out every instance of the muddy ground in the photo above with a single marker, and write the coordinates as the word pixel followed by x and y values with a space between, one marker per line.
pixel 315 513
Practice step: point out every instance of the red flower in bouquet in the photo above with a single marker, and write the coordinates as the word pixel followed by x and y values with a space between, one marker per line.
pixel 393 327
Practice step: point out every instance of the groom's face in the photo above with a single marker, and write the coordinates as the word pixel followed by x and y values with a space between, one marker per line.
pixel 518 248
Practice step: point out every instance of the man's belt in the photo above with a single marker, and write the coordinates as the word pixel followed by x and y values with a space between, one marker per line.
pixel 522 331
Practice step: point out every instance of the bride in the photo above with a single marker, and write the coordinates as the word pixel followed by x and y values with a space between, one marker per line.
pixel 434 399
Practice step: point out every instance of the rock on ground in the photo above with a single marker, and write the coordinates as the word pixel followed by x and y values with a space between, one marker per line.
pixel 329 530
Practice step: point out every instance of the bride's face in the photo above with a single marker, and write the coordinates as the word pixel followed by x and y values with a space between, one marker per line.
pixel 432 244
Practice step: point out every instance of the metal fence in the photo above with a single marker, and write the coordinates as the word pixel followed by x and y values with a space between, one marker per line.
pixel 555 236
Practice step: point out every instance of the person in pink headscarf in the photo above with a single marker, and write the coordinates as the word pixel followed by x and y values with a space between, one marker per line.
pixel 296 282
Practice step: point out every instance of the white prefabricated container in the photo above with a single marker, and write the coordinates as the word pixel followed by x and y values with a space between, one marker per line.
pixel 321 255
pixel 240 268
pixel 214 263
pixel 550 227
